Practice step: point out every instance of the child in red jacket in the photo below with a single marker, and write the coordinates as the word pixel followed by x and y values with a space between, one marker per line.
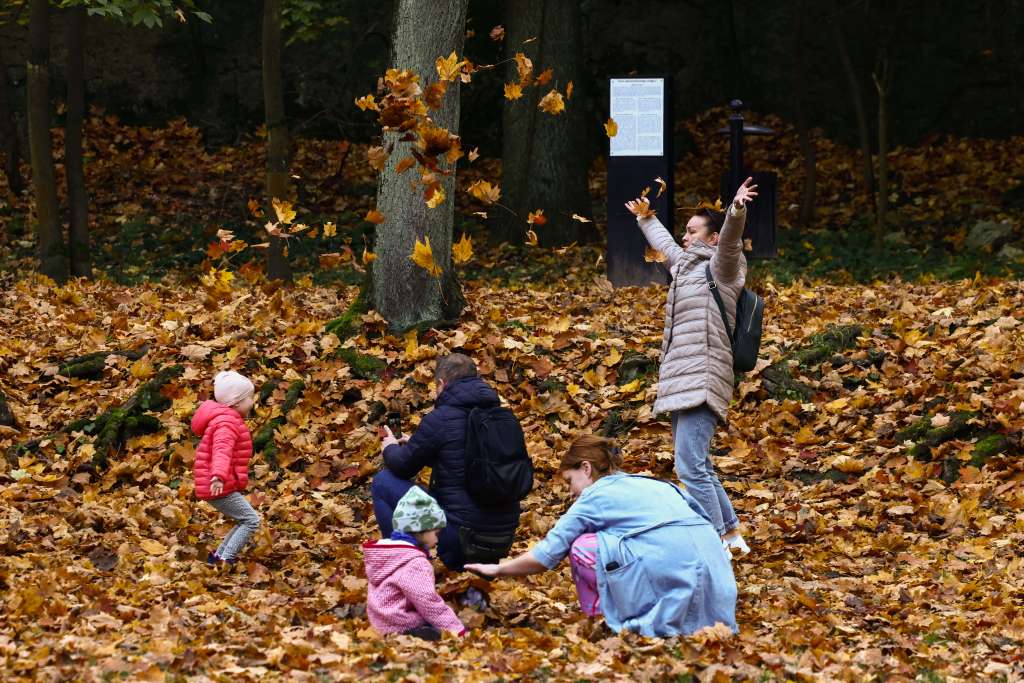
pixel 401 597
pixel 222 460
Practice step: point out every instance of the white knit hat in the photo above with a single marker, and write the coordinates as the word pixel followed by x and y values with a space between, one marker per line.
pixel 231 388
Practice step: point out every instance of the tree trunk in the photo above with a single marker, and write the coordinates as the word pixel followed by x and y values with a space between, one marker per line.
pixel 857 99
pixel 78 201
pixel 277 133
pixel 544 159
pixel 808 194
pixel 50 243
pixel 882 80
pixel 9 133
pixel 403 293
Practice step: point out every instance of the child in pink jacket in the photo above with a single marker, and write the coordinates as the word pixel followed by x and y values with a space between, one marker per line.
pixel 221 466
pixel 401 597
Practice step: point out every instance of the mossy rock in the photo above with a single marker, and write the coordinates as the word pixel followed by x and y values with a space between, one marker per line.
pixel 616 423
pixel 988 446
pixel 362 365
pixel 814 476
pixel 778 379
pixel 635 364
pixel 346 324
pixel 926 437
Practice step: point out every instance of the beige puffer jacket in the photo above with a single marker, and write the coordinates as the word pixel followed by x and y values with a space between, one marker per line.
pixel 696 357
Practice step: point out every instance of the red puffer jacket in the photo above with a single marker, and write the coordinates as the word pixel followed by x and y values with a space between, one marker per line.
pixel 223 452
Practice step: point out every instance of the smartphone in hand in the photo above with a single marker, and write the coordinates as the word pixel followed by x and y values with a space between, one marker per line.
pixel 394 422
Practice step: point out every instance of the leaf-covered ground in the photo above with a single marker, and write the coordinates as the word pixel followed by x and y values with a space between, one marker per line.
pixel 866 561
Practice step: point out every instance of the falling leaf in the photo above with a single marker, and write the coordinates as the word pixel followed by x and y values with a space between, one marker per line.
pixel 536 217
pixel 716 206
pixel 497 33
pixel 434 94
pixel 423 256
pixel 377 158
pixel 434 196
pixel 473 155
pixel 367 102
pixel 531 238
pixel 581 219
pixel 662 186
pixel 513 91
pixel 462 251
pixel 544 77
pixel 552 103
pixel 368 257
pixel 483 191
pixel 330 229
pixel 525 68
pixel 448 67
pixel 374 216
pixel 647 191
pixel 404 165
pixel 283 209
pixel 652 255
pixel 611 129
pixel 568 90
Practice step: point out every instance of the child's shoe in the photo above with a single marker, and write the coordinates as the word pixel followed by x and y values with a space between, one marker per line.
pixel 736 541
pixel 214 558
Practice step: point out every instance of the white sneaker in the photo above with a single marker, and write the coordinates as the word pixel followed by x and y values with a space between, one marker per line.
pixel 736 542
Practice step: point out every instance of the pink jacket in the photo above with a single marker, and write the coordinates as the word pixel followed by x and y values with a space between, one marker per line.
pixel 401 593
pixel 224 451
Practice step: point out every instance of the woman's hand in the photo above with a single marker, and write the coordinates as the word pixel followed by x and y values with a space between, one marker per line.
pixel 488 570
pixel 641 208
pixel 745 193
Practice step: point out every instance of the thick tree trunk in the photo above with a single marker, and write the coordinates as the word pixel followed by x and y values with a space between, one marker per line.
pixel 52 255
pixel 277 133
pixel 808 194
pixel 882 80
pixel 403 293
pixel 78 200
pixel 9 133
pixel 860 113
pixel 544 160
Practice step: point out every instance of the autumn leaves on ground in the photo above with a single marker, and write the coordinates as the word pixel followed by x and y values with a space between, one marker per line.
pixel 874 456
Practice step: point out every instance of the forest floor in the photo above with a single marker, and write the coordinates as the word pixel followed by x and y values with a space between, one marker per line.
pixel 874 455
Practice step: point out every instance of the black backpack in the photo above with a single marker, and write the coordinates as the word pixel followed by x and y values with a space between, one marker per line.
pixel 746 339
pixel 498 468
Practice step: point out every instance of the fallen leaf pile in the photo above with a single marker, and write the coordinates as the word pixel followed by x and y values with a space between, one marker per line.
pixel 867 561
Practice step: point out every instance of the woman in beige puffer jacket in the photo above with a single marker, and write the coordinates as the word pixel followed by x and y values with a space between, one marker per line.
pixel 695 381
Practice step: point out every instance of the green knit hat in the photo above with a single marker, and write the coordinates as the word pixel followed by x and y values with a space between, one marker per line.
pixel 416 512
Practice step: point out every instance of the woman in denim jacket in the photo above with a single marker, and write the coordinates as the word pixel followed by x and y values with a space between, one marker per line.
pixel 643 553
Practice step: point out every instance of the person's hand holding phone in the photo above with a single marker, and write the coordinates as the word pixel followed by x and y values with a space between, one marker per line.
pixel 387 438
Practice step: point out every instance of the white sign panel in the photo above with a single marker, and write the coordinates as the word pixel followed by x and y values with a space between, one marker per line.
pixel 637 105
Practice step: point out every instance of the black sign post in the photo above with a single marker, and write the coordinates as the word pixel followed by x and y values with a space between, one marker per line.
pixel 639 152
pixel 762 212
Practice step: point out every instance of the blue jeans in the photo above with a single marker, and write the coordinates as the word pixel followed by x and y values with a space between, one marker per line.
pixel 236 507
pixel 692 431
pixel 387 489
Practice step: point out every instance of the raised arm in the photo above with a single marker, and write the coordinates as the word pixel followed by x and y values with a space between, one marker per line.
pixel 656 234
pixel 730 242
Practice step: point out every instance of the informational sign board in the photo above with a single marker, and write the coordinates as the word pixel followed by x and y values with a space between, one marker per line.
pixel 637 105
pixel 638 153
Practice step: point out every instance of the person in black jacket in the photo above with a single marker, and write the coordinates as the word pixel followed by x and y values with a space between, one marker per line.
pixel 473 532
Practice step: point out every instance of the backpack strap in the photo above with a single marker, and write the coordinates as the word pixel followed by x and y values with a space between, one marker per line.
pixel 718 300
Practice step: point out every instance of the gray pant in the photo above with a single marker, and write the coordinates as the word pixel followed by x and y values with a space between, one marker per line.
pixel 235 506
pixel 692 431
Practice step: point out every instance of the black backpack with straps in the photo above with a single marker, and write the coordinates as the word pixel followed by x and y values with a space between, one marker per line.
pixel 746 338
pixel 499 471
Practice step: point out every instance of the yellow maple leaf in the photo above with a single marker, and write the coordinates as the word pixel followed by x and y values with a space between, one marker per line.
pixel 462 251
pixel 652 255
pixel 285 212
pixel 537 217
pixel 552 103
pixel 330 229
pixel 423 256
pixel 367 102
pixel 485 192
pixel 611 129
pixel 435 196
pixel 513 91
pixel 448 67
pixel 531 238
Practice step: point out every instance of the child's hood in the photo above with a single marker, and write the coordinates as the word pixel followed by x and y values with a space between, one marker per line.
pixel 383 558
pixel 206 414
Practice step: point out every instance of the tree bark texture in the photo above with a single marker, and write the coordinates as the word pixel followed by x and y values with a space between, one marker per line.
pixel 544 156
pixel 403 293
pixel 857 100
pixel 78 200
pixel 50 243
pixel 808 194
pixel 9 133
pixel 278 267
pixel 882 78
